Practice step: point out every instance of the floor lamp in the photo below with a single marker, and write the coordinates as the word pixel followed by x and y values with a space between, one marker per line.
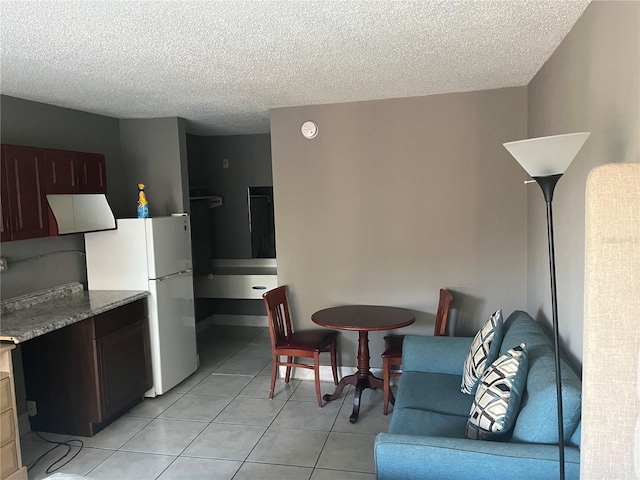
pixel 545 159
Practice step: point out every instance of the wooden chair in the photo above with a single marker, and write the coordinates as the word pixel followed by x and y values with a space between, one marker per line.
pixel 287 343
pixel 392 356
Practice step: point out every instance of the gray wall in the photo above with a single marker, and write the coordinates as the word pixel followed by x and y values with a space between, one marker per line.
pixel 195 152
pixel 201 214
pixel 42 263
pixel 249 159
pixel 590 83
pixel 184 164
pixel 36 124
pixel 223 232
pixel 395 199
pixel 159 153
pixel 40 125
pixel 155 153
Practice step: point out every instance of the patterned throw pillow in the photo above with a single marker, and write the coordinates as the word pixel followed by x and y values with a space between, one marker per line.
pixel 484 350
pixel 497 400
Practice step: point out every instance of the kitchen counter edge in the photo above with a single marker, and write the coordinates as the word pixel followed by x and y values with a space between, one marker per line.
pixel 24 324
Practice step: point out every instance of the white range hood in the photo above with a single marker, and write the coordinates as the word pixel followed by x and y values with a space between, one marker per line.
pixel 80 213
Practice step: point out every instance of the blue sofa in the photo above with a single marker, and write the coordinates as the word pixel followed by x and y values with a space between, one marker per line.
pixel 427 434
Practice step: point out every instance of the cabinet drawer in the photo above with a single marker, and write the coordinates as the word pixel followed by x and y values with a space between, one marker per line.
pixel 7 428
pixel 8 459
pixel 5 394
pixel 120 317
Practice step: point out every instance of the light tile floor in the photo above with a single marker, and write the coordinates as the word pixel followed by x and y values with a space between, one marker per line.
pixel 220 424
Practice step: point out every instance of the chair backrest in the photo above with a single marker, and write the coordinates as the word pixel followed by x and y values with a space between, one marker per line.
pixel 443 313
pixel 275 301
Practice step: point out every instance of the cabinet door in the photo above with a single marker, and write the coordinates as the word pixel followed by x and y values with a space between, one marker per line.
pixel 124 366
pixel 61 377
pixel 91 172
pixel 60 171
pixel 28 216
pixel 84 375
pixel 5 216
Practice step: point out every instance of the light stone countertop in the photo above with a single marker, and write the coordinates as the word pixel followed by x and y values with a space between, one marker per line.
pixel 42 312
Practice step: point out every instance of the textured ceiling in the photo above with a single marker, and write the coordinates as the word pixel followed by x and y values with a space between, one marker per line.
pixel 223 64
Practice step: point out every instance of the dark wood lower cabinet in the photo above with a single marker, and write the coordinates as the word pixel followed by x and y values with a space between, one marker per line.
pixel 123 366
pixel 84 376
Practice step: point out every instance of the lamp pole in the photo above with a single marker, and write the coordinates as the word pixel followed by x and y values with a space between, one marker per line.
pixel 546 159
pixel 547 184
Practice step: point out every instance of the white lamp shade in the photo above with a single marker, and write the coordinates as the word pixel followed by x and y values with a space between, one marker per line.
pixel 545 156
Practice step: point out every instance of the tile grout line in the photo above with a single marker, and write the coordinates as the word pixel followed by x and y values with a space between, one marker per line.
pixel 157 417
pixel 265 431
pixel 213 419
pixel 236 396
pixel 288 400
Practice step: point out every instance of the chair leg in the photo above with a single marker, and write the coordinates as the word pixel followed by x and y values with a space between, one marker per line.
pixel 274 371
pixel 386 386
pixel 287 375
pixel 316 369
pixel 334 363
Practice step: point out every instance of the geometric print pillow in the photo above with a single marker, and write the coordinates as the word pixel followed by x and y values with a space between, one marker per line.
pixel 497 400
pixel 484 350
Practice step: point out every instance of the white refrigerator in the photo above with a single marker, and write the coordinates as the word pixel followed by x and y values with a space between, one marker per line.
pixel 152 254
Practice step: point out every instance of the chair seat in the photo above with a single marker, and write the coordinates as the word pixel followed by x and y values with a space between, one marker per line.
pixel 393 344
pixel 314 340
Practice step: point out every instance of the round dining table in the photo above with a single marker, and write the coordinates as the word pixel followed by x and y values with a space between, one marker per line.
pixel 362 319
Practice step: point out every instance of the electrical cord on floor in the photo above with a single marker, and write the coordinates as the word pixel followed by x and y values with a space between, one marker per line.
pixel 67 444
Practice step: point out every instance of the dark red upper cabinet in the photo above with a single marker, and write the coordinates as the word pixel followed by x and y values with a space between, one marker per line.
pixel 5 224
pixel 92 174
pixel 24 208
pixel 60 171
pixel 74 172
pixel 28 174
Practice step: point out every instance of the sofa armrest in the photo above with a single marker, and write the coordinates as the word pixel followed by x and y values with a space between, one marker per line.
pixel 435 354
pixel 409 457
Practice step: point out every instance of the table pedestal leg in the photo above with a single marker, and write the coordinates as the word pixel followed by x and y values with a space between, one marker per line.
pixel 344 381
pixel 362 379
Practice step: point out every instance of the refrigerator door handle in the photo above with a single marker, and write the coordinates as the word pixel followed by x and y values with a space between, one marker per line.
pixel 188 272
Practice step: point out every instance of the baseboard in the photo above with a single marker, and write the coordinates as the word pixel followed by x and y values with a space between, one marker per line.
pixel 327 376
pixel 24 426
pixel 237 320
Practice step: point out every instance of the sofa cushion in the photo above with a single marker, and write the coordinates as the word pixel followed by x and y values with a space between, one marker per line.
pixel 413 457
pixel 520 327
pixel 436 392
pixel 538 418
pixel 497 399
pixel 484 350
pixel 435 354
pixel 575 438
pixel 413 421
